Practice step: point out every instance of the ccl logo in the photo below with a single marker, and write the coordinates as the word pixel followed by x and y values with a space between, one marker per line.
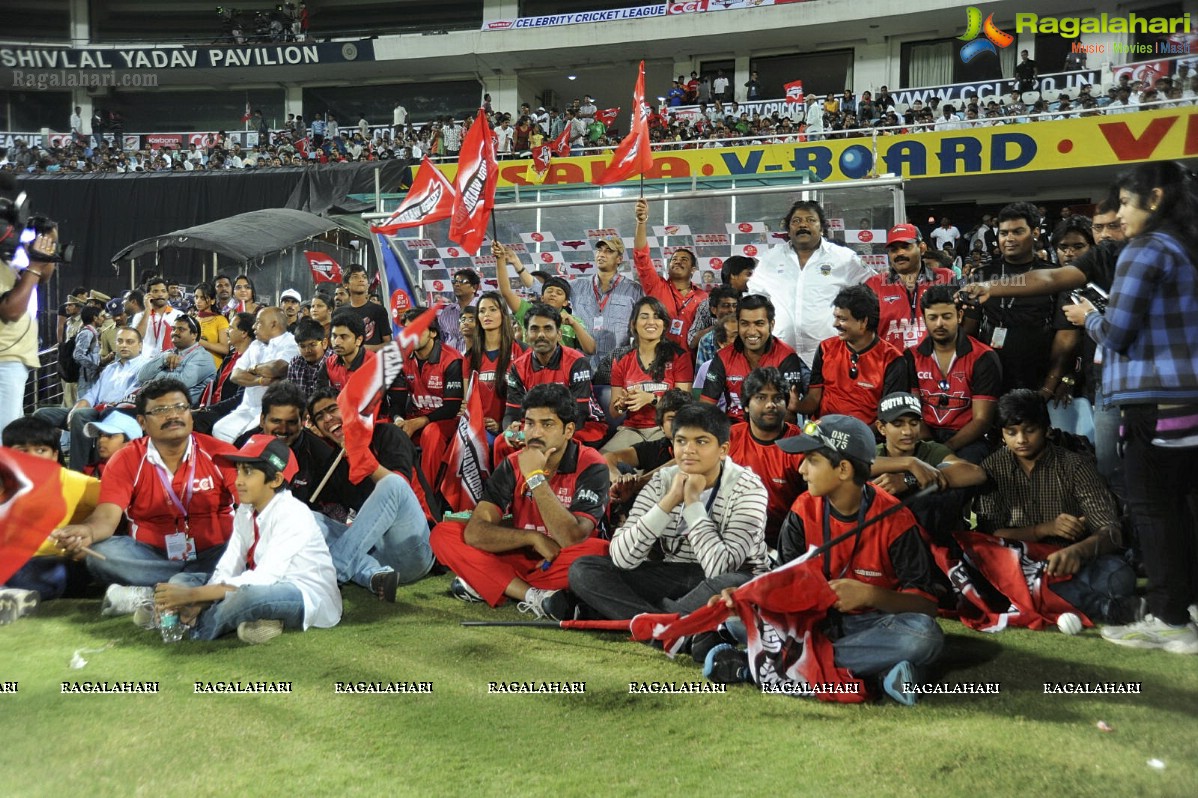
pixel 689 7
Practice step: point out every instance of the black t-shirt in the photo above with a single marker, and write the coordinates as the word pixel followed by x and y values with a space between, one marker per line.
pixel 313 457
pixel 375 319
pixel 1099 267
pixel 653 454
pixel 1028 322
pixel 394 451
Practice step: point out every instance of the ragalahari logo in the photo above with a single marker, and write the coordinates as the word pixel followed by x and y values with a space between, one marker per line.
pixel 974 28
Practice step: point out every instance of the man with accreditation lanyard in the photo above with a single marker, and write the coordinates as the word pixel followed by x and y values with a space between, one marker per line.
pixel 178 500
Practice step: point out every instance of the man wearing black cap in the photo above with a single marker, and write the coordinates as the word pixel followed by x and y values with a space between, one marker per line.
pixel 187 361
pixel 884 624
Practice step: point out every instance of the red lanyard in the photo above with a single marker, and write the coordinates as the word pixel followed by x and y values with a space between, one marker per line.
pixel 158 328
pixel 679 307
pixel 249 555
pixel 181 505
pixel 603 302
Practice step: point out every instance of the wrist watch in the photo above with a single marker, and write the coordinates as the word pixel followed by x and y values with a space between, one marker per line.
pixel 910 481
pixel 536 481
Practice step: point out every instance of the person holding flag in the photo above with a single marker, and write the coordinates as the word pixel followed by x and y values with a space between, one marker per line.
pixel 681 297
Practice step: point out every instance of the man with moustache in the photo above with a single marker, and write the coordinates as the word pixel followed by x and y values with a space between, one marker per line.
pixel 156 324
pixel 899 289
pixel 681 297
pixel 177 499
pixel 187 362
pixel 801 277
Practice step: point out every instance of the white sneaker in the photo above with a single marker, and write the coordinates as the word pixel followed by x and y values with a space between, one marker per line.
pixel 124 600
pixel 534 602
pixel 1153 633
pixel 258 632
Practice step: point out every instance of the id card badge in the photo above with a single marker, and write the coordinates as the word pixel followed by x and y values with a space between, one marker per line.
pixel 999 338
pixel 180 547
pixel 597 323
pixel 676 327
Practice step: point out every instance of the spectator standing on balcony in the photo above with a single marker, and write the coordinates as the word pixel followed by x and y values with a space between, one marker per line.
pixel 946 233
pixel 363 126
pixel 504 136
pixel 720 86
pixel 814 119
pixel 77 125
pixel 587 110
pixel 452 136
pixel 318 130
pixel 399 116
pixel 752 87
pixel 578 128
pixel 1025 73
pixel 676 94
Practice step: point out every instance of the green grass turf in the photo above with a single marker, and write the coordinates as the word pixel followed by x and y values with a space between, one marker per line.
pixel 463 741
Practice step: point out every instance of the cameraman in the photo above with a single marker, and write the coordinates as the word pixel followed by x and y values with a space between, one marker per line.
pixel 18 328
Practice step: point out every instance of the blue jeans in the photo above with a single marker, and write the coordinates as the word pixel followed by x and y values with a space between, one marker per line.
pixel 13 376
pixel 140 564
pixel 1106 443
pixel 874 642
pixel 277 602
pixel 1098 587
pixel 390 533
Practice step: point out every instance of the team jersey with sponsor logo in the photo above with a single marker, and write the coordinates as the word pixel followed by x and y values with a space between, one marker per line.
pixel 730 367
pixel 487 381
pixel 581 483
pixel 890 554
pixel 947 398
pixel 879 369
pixel 682 308
pixel 567 367
pixel 134 481
pixel 628 372
pixel 778 470
pixel 434 386
pixel 900 320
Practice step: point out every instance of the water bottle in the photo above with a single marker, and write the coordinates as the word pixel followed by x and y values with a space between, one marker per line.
pixel 168 624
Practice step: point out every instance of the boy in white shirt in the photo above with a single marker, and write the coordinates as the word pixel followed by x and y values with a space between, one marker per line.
pixel 276 571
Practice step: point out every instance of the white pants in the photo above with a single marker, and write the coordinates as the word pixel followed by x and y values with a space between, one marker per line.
pixel 231 426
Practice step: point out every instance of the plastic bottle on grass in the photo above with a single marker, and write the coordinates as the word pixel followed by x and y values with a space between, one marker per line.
pixel 168 624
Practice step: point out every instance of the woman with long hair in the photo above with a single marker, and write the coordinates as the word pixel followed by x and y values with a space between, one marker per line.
pixel 489 351
pixel 322 312
pixel 246 295
pixel 654 365
pixel 1149 339
pixel 212 324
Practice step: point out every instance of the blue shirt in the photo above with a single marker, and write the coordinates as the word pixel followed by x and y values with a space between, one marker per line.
pixel 117 380
pixel 605 313
pixel 1150 329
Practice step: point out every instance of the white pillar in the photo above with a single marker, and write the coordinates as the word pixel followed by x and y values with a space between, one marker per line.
pixel 740 76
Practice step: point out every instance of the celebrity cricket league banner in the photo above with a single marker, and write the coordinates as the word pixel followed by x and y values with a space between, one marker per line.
pixel 1170 133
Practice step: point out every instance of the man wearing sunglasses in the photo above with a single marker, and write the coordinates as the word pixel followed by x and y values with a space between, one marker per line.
pixel 855 368
pixel 957 377
pixel 178 500
pixel 466 283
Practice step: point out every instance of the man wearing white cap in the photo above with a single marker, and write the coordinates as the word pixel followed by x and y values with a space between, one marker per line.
pixel 290 301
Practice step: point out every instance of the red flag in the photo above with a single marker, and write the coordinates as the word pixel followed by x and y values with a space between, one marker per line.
pixel 607 116
pixel 248 112
pixel 430 199
pixel 474 185
pixel 541 156
pixel 794 91
pixel 324 268
pixel 782 612
pixel 561 145
pixel 1012 568
pixel 363 392
pixel 633 156
pixel 468 461
pixel 37 496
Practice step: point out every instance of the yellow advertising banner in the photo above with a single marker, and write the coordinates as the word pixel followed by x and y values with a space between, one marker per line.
pixel 1170 133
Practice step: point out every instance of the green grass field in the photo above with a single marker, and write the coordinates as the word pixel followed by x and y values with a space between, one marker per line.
pixel 460 740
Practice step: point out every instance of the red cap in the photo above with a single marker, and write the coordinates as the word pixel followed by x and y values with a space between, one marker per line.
pixel 905 233
pixel 266 449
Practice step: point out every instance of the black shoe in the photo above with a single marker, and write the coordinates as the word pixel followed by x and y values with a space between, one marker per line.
pixel 704 642
pixel 384 584
pixel 726 664
pixel 560 605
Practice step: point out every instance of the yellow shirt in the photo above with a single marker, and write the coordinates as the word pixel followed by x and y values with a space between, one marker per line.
pixel 212 330
pixel 18 339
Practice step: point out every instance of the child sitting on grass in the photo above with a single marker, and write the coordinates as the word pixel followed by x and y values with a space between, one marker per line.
pixel 276 571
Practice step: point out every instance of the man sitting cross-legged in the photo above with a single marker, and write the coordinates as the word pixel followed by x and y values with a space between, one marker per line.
pixel 556 493
pixel 696 528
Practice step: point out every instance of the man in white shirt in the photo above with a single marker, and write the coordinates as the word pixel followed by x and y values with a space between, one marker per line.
pixel 264 362
pixel 156 324
pixel 504 135
pixel 814 118
pixel 399 116
pixel 946 233
pixel 802 277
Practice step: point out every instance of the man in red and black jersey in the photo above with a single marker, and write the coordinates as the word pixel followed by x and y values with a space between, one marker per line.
pixel 755 347
pixel 884 624
pixel 346 336
pixel 899 289
pixel 547 361
pixel 856 368
pixel 177 499
pixel 432 374
pixel 555 492
pixel 957 377
pixel 765 393
pixel 681 297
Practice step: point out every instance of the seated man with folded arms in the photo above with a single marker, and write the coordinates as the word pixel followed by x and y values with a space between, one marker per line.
pixel 185 361
pixel 1043 492
pixel 275 574
pixel 556 494
pixel 698 527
